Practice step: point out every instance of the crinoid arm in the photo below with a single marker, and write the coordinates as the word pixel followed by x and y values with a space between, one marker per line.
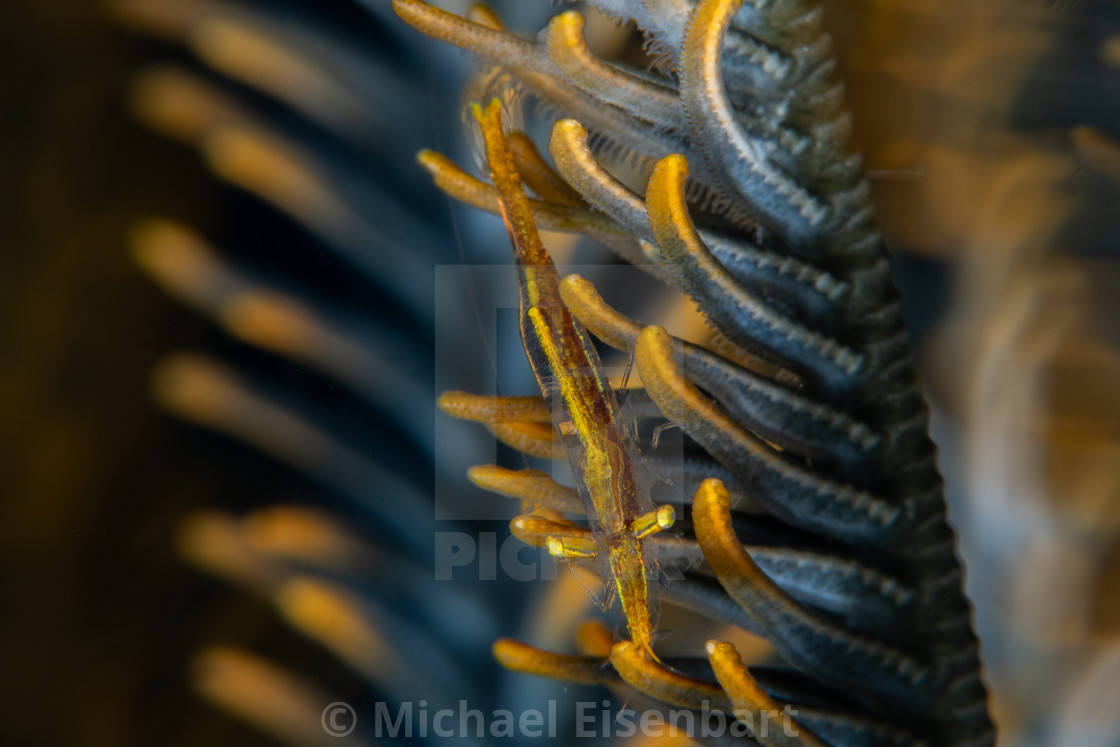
pixel 727 171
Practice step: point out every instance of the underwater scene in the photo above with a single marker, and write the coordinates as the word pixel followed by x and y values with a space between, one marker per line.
pixel 718 372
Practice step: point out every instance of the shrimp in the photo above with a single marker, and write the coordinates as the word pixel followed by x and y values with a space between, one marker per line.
pixel 611 484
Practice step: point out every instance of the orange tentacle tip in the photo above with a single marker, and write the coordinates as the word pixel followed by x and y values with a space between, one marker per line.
pixel 532 486
pixel 521 657
pixel 486 408
pixel 747 696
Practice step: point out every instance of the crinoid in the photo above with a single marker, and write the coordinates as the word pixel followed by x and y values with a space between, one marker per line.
pixel 808 408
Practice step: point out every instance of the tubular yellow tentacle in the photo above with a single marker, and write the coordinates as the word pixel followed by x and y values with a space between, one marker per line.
pixel 530 485
pixel 538 175
pixel 568 50
pixel 585 670
pixel 480 38
pixel 482 408
pixel 663 684
pixel 710 424
pixel 620 331
pixel 463 187
pixel 749 698
pixel 534 439
pixel 615 329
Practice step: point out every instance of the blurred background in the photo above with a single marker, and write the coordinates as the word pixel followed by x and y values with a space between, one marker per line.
pixel 218 442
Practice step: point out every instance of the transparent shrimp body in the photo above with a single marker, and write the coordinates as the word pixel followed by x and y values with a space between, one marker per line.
pixel 603 458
